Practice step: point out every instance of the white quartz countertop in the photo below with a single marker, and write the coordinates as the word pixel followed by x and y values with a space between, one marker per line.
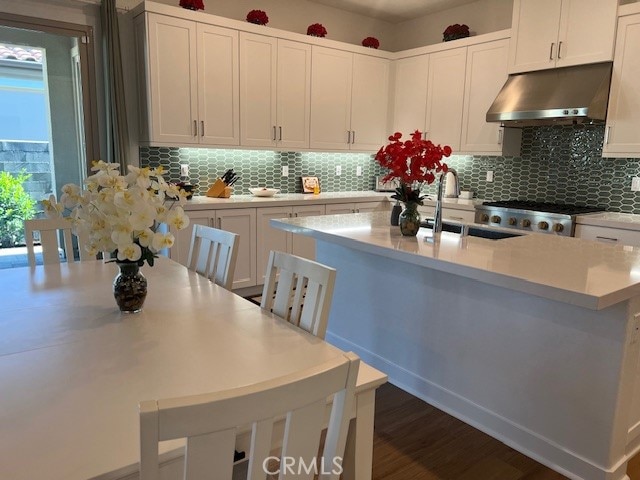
pixel 244 201
pixel 566 269
pixel 626 221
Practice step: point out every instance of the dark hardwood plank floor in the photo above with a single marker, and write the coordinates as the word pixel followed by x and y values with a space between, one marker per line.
pixel 414 440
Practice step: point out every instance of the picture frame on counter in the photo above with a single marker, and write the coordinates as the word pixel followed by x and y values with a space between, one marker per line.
pixel 310 184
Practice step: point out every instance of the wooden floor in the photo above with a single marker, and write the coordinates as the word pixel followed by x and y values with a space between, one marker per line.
pixel 414 440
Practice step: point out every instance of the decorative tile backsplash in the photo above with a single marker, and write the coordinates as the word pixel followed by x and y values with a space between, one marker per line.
pixel 557 164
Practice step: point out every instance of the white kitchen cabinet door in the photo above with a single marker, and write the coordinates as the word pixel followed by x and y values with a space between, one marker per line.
pixel 258 74
pixel 410 94
pixel 534 38
pixel 172 80
pixel 445 97
pixel 459 215
pixel 180 250
pixel 560 33
pixel 331 78
pixel 369 102
pixel 301 245
pixel 218 96
pixel 587 31
pixel 243 222
pixel 339 208
pixel 269 238
pixel 623 117
pixel 365 207
pixel 486 73
pixel 293 94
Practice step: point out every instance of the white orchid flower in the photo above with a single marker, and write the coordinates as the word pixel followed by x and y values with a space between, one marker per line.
pixel 121 232
pixel 52 208
pixel 139 176
pixel 143 218
pixel 177 218
pixel 145 237
pixel 129 251
pixel 102 166
pixel 71 195
pixel 161 240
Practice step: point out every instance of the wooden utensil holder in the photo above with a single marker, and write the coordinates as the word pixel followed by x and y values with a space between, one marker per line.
pixel 219 189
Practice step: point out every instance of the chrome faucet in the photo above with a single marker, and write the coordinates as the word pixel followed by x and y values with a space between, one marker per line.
pixel 437 215
pixel 452 190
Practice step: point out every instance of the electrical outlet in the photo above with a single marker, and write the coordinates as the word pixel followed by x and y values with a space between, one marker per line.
pixel 285 170
pixel 358 171
pixel 489 175
pixel 635 184
pixel 338 170
pixel 184 170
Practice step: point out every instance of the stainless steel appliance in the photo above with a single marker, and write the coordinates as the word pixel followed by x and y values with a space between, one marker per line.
pixel 527 216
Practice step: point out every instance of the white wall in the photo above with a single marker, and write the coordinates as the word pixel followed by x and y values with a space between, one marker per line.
pixel 297 15
pixel 482 16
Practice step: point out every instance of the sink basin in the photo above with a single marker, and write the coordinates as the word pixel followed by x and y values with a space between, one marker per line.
pixel 481 232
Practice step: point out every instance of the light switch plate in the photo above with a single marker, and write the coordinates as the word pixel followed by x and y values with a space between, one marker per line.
pixel 338 170
pixel 358 171
pixel 285 170
pixel 635 184
pixel 184 170
pixel 490 176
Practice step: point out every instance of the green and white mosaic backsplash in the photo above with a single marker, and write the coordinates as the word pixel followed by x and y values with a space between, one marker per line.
pixel 557 164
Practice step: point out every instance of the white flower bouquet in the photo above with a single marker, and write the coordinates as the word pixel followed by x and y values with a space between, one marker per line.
pixel 122 214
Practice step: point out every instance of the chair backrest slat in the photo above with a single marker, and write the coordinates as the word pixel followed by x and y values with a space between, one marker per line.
pixel 50 230
pixel 302 295
pixel 213 254
pixel 210 421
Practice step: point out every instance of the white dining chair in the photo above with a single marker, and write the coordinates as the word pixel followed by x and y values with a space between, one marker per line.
pixel 55 234
pixel 299 290
pixel 213 254
pixel 209 422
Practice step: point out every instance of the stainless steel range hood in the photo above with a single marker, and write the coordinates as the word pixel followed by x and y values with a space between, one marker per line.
pixel 558 96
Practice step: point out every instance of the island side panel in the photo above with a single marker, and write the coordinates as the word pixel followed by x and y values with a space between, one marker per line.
pixel 541 375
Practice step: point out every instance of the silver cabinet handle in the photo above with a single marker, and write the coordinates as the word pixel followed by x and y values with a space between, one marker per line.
pixel 353 136
pixel 202 128
pixel 559 48
pixel 195 128
pixel 274 133
pixel 220 223
pixel 551 51
pixel 348 136
pixel 607 132
pixel 295 214
pixel 280 135
pixel 607 239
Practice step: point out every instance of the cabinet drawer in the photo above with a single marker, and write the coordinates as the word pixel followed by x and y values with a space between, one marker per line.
pixel 608 235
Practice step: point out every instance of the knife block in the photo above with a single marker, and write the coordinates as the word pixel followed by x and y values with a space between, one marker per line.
pixel 219 189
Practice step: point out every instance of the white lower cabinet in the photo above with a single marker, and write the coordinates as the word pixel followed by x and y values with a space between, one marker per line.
pixel 269 238
pixel 358 207
pixel 458 215
pixel 237 220
pixel 608 235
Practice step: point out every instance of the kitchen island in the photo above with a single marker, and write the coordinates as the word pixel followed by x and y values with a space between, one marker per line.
pixel 532 339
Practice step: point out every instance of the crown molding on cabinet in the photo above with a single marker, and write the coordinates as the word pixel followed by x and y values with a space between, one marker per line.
pixel 463 42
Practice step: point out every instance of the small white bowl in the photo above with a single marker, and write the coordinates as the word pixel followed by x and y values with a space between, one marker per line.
pixel 264 192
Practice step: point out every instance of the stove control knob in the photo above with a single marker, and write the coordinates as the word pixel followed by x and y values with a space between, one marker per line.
pixel 495 219
pixel 543 225
pixel 484 217
pixel 558 227
pixel 513 221
pixel 526 223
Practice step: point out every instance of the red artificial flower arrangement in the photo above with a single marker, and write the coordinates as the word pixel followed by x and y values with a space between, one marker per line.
pixel 258 17
pixel 413 162
pixel 453 32
pixel 371 42
pixel 192 4
pixel 316 30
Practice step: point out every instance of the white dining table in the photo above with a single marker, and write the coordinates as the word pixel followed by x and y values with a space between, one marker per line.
pixel 73 368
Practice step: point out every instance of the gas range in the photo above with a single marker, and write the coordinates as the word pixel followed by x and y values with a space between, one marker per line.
pixel 538 217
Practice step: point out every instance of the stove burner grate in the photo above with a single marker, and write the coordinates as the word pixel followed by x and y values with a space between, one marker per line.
pixel 545 207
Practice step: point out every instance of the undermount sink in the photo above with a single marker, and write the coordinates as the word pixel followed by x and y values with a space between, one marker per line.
pixel 481 232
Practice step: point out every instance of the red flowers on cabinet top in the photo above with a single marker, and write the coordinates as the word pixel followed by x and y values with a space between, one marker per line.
pixel 371 42
pixel 192 4
pixel 316 30
pixel 453 32
pixel 413 162
pixel 258 17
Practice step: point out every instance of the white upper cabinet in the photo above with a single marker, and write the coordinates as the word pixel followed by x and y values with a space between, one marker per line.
pixel 560 33
pixel 275 87
pixel 191 82
pixel 623 118
pixel 349 98
pixel 486 73
pixel 410 94
pixel 369 102
pixel 445 97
